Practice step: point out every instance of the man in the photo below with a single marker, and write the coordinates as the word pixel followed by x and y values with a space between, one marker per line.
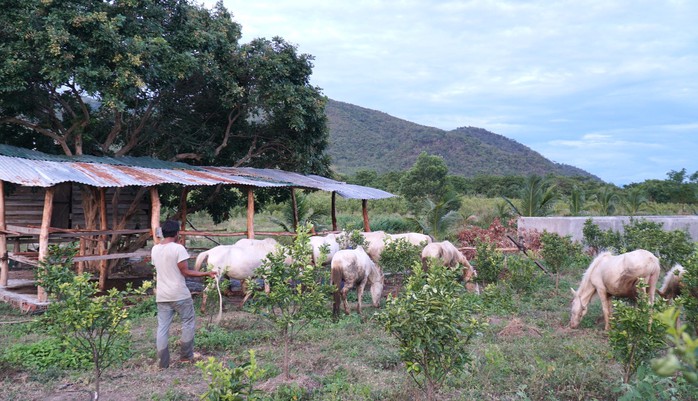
pixel 172 295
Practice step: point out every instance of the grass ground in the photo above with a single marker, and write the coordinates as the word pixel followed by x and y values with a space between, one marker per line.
pixel 526 352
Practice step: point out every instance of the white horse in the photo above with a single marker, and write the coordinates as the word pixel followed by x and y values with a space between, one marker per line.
pixel 376 243
pixel 671 287
pixel 238 261
pixel 413 238
pixel 610 275
pixel 318 241
pixel 451 257
pixel 356 269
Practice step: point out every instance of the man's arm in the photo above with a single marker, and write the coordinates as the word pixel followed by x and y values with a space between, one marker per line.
pixel 184 269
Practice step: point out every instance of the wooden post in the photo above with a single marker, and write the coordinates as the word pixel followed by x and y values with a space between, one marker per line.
pixel 334 211
pixel 364 207
pixel 183 214
pixel 83 248
pixel 43 236
pixel 250 213
pixel 103 238
pixel 154 214
pixel 294 204
pixel 4 263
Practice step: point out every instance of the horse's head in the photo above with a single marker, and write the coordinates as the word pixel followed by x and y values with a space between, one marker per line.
pixel 579 309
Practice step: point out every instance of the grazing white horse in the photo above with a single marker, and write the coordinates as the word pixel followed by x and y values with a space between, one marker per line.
pixel 610 275
pixel 356 269
pixel 376 243
pixel 318 241
pixel 413 238
pixel 451 257
pixel 671 287
pixel 238 261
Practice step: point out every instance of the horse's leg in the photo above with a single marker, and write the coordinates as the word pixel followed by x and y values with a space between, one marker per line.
pixel 243 287
pixel 653 278
pixel 343 294
pixel 359 295
pixel 203 299
pixel 606 306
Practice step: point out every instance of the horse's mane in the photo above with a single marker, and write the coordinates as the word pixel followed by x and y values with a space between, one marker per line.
pixel 591 268
pixel 376 274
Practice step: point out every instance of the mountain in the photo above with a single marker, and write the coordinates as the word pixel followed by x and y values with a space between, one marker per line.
pixel 365 139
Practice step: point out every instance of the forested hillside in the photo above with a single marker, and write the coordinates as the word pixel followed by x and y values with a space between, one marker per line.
pixel 361 138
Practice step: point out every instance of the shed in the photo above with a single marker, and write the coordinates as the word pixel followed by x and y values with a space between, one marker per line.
pixel 41 200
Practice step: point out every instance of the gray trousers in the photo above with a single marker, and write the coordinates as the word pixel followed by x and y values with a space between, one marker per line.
pixel 166 312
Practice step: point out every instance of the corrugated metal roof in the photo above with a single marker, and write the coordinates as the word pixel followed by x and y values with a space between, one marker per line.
pixel 31 168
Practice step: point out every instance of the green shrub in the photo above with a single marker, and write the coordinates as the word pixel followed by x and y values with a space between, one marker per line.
pixel 635 336
pixel 670 247
pixel 399 256
pixel 231 383
pixel 498 299
pixel 298 292
pixel 83 320
pixel 521 274
pixel 488 262
pixel 338 387
pixel 689 296
pixel 433 326
pixel 598 240
pixel 556 250
pixel 647 386
pixel 394 224
pixel 45 354
pixel 350 239
pixel 683 355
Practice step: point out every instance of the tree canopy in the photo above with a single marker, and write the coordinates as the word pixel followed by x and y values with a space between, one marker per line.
pixel 161 78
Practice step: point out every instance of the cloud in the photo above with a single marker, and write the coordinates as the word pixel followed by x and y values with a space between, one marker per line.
pixel 563 77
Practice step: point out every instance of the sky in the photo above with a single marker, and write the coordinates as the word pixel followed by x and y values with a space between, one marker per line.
pixel 609 86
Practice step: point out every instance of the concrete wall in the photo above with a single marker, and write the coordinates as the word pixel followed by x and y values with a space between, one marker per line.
pixel 573 226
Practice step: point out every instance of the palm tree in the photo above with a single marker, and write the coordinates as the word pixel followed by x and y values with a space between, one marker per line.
pixel 634 200
pixel 537 197
pixel 577 200
pixel 606 200
pixel 304 212
pixel 440 216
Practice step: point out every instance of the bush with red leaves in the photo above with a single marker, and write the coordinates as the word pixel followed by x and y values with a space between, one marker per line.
pixel 496 234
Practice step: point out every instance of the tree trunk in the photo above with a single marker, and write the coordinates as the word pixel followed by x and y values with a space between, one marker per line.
pixel 287 376
pixel 98 373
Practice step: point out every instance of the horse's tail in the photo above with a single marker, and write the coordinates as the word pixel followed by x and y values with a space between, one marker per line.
pixel 199 260
pixel 336 280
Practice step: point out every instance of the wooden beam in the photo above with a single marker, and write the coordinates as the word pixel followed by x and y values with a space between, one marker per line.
pixel 103 273
pixel 4 263
pixel 83 248
pixel 294 204
pixel 334 211
pixel 364 207
pixel 154 214
pixel 43 236
pixel 183 214
pixel 250 213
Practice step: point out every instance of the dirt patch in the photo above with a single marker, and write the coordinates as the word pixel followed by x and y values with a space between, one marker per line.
pixel 516 328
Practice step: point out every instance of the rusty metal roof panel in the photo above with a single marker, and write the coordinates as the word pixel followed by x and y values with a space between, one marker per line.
pixel 349 191
pixel 133 161
pixel 352 191
pixel 36 173
pixel 31 168
pixel 219 175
